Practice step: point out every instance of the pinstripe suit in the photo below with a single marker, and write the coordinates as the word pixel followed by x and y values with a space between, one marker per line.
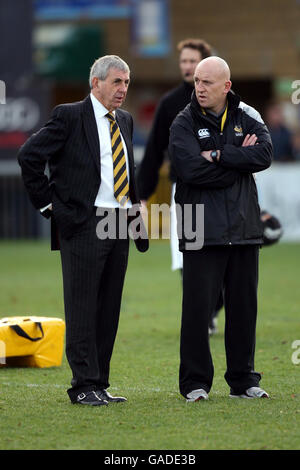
pixel 93 269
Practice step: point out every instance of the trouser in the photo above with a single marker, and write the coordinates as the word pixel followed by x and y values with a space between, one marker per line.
pixel 215 313
pixel 205 273
pixel 93 277
pixel 219 304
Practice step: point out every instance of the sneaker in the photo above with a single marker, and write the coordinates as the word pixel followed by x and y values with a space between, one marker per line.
pixel 252 392
pixel 197 395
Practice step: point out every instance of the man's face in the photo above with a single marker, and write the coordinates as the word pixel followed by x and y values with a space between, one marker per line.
pixel 112 91
pixel 211 87
pixel 188 60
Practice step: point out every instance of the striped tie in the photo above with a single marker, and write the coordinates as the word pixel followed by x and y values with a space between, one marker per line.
pixel 121 186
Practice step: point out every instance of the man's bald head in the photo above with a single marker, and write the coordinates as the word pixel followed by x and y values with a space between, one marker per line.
pixel 212 83
pixel 215 65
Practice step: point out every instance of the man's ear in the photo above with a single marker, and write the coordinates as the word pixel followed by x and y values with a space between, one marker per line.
pixel 95 81
pixel 227 87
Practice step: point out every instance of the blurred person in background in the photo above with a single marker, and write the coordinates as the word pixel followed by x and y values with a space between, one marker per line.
pixel 296 145
pixel 280 134
pixel 216 144
pixel 191 52
pixel 88 146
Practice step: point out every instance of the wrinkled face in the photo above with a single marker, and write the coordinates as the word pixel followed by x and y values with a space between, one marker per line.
pixel 112 91
pixel 188 60
pixel 211 87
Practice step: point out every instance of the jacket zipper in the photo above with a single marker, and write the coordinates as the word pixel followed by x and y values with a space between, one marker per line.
pixel 226 203
pixel 225 195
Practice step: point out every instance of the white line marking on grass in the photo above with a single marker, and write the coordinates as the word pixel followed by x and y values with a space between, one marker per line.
pixel 131 389
pixel 14 384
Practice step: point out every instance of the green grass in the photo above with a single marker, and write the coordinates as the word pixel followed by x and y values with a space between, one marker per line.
pixel 35 412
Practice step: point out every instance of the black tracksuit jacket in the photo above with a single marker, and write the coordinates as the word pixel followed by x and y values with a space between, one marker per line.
pixel 227 189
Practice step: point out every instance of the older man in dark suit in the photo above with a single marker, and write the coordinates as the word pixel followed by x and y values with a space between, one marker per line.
pixel 88 146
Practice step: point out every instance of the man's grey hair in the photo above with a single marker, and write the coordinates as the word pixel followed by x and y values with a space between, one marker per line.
pixel 101 66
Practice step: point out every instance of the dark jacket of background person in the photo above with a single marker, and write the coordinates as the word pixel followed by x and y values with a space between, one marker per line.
pixel 282 144
pixel 281 136
pixel 227 189
pixel 170 105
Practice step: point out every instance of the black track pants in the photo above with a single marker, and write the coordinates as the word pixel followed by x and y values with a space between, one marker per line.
pixel 205 273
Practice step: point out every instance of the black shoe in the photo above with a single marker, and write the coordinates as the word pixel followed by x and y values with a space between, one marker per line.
pixel 104 395
pixel 89 398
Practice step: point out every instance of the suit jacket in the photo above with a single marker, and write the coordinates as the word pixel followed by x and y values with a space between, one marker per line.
pixel 69 143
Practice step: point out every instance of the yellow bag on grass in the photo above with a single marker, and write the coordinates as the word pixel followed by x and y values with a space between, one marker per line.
pixel 31 341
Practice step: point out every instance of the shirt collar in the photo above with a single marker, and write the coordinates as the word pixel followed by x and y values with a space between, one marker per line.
pixel 99 109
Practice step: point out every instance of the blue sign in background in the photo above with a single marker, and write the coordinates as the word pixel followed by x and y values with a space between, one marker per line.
pixel 150 28
pixel 74 9
pixel 150 32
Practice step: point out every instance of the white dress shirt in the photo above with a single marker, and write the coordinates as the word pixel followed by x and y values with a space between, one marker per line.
pixel 105 196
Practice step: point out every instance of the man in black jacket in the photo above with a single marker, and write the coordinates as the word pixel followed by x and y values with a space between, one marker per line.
pixel 90 195
pixel 216 144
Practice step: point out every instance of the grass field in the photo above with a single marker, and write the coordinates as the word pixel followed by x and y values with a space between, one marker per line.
pixel 35 412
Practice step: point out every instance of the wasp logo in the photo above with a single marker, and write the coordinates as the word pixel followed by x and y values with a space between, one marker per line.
pixel 238 131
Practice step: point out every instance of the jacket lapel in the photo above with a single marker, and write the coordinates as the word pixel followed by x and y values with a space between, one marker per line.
pixel 91 131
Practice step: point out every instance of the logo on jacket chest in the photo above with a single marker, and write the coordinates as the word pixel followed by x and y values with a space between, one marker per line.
pixel 203 133
pixel 238 131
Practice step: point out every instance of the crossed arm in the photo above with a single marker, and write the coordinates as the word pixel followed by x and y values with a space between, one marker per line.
pixel 196 168
pixel 248 141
